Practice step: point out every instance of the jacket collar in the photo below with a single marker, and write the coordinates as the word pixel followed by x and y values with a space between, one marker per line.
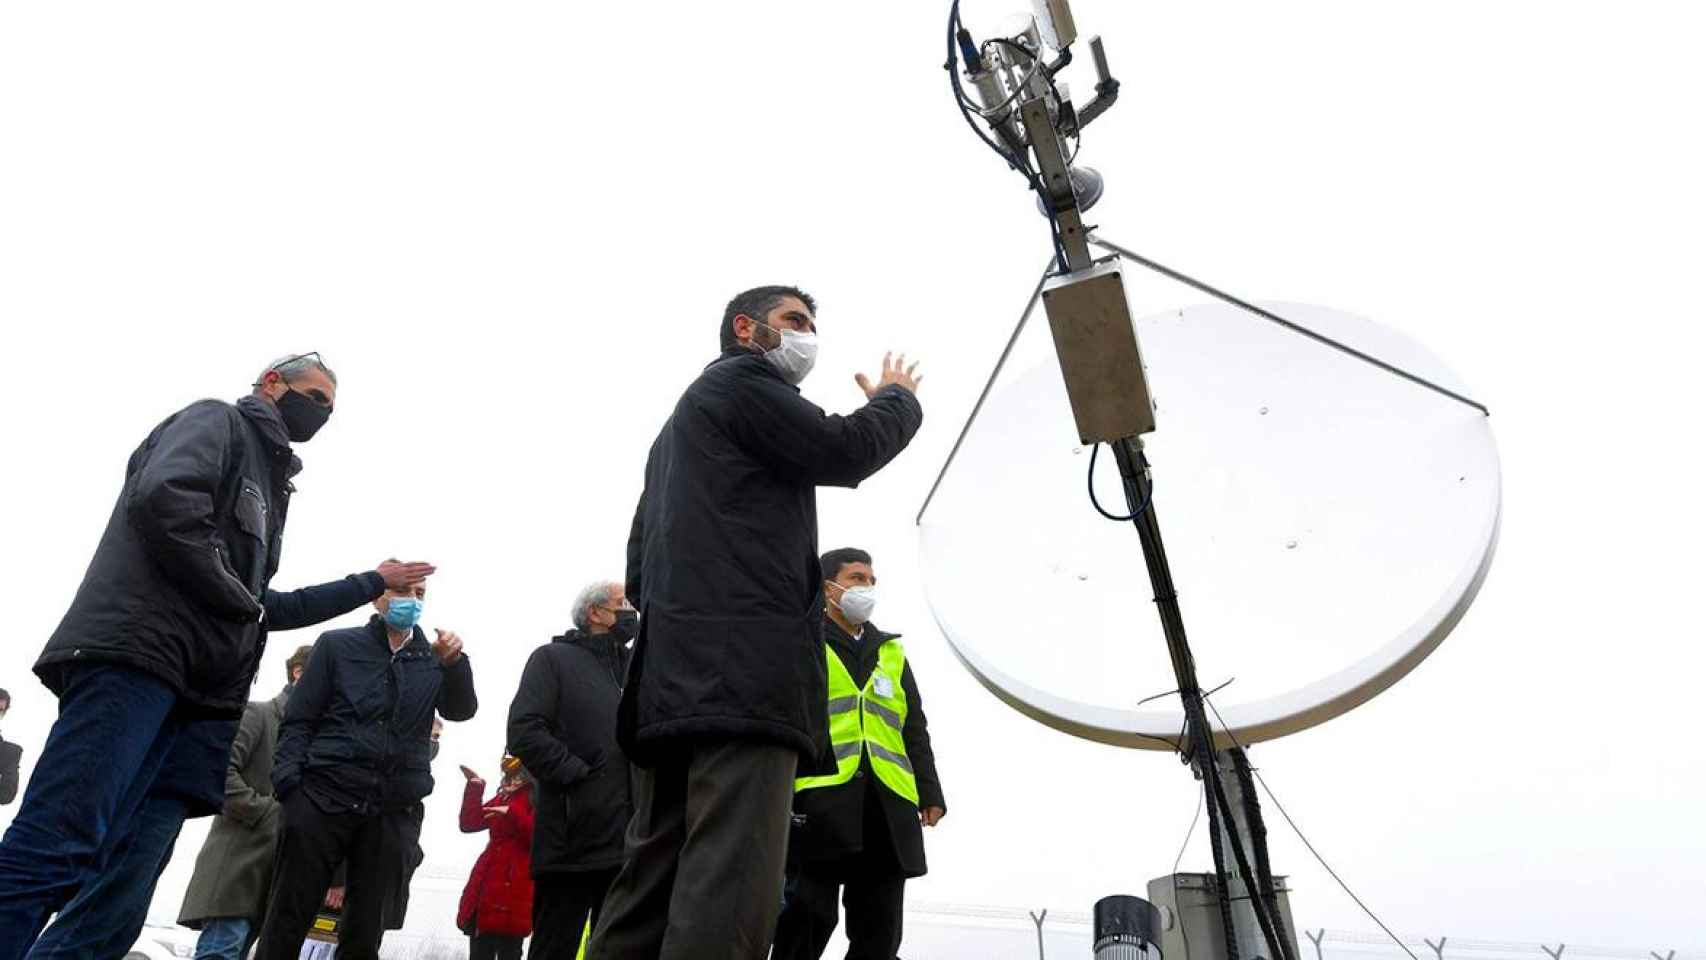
pixel 871 639
pixel 264 418
pixel 599 643
pixel 376 628
pixel 738 354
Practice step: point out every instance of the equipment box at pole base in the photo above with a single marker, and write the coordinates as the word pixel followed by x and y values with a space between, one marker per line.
pixel 1191 922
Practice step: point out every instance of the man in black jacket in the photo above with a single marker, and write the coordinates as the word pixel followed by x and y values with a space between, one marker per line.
pixel 153 662
pixel 11 755
pixel 352 767
pixel 725 689
pixel 562 725
pixel 860 828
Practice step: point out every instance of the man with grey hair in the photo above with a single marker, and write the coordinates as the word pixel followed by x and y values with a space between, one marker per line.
pixel 153 662
pixel 562 725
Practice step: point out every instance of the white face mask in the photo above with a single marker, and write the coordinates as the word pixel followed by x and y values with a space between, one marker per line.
pixel 795 356
pixel 857 604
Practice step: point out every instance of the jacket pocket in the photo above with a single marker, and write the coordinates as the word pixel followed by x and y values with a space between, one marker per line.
pixel 332 751
pixel 252 521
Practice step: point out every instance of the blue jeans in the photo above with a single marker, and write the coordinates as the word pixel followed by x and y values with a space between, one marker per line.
pixel 225 938
pixel 115 729
pixel 107 914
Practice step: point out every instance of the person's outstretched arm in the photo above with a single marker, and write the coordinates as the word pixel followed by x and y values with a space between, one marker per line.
pixel 307 606
pixel 294 609
pixel 793 435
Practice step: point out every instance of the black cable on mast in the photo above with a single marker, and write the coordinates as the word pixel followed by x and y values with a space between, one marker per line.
pixel 1314 852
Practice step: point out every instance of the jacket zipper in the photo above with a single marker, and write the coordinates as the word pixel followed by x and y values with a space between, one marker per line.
pixel 258 566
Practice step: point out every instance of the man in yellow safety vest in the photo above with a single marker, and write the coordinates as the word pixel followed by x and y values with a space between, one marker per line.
pixel 860 828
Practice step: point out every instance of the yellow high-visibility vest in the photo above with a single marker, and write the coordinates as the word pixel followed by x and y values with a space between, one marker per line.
pixel 868 721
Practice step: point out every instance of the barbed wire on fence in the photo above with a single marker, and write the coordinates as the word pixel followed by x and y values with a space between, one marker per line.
pixel 1515 948
pixel 1322 939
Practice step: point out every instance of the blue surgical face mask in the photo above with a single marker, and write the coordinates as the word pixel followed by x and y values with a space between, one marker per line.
pixel 402 613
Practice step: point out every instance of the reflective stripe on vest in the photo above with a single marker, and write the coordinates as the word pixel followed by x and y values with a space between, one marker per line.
pixel 869 721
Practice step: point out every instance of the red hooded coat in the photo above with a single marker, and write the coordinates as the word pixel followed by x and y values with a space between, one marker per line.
pixel 499 895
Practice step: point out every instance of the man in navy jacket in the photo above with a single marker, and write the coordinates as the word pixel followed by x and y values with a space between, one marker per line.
pixel 353 764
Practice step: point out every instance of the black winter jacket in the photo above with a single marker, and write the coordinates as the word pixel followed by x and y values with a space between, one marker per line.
pixel 564 715
pixel 835 822
pixel 178 583
pixel 357 733
pixel 194 771
pixel 10 756
pixel 723 558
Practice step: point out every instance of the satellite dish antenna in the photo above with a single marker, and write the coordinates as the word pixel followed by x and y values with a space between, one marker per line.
pixel 1336 488
pixel 1328 524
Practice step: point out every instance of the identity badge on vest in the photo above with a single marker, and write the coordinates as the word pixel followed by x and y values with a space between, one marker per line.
pixel 883 686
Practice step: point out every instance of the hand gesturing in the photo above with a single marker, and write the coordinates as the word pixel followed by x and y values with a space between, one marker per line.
pixel 895 371
pixel 448 647
pixel 403 576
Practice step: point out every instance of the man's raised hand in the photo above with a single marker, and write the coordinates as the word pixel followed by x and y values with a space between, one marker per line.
pixel 895 371
pixel 448 647
pixel 401 576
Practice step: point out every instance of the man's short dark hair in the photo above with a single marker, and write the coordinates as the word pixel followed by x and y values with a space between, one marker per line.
pixel 757 304
pixel 297 659
pixel 834 560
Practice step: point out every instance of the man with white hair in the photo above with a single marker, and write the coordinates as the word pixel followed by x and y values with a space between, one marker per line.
pixel 153 662
pixel 563 727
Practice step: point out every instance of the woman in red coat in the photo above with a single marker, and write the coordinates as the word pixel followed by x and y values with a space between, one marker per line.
pixel 497 904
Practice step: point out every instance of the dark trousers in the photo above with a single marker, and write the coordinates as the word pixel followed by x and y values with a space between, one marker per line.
pixel 114 731
pixel 873 891
pixel 494 946
pixel 705 849
pixel 107 915
pixel 311 844
pixel 562 905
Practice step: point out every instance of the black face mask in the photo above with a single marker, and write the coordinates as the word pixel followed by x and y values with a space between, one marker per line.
pixel 302 416
pixel 432 751
pixel 627 625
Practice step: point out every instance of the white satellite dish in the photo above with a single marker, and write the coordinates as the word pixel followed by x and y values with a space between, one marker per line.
pixel 1328 524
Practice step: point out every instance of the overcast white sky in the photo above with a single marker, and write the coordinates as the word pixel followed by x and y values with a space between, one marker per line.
pixel 511 230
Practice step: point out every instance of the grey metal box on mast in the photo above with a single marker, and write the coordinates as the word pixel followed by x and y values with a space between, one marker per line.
pixel 1099 355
